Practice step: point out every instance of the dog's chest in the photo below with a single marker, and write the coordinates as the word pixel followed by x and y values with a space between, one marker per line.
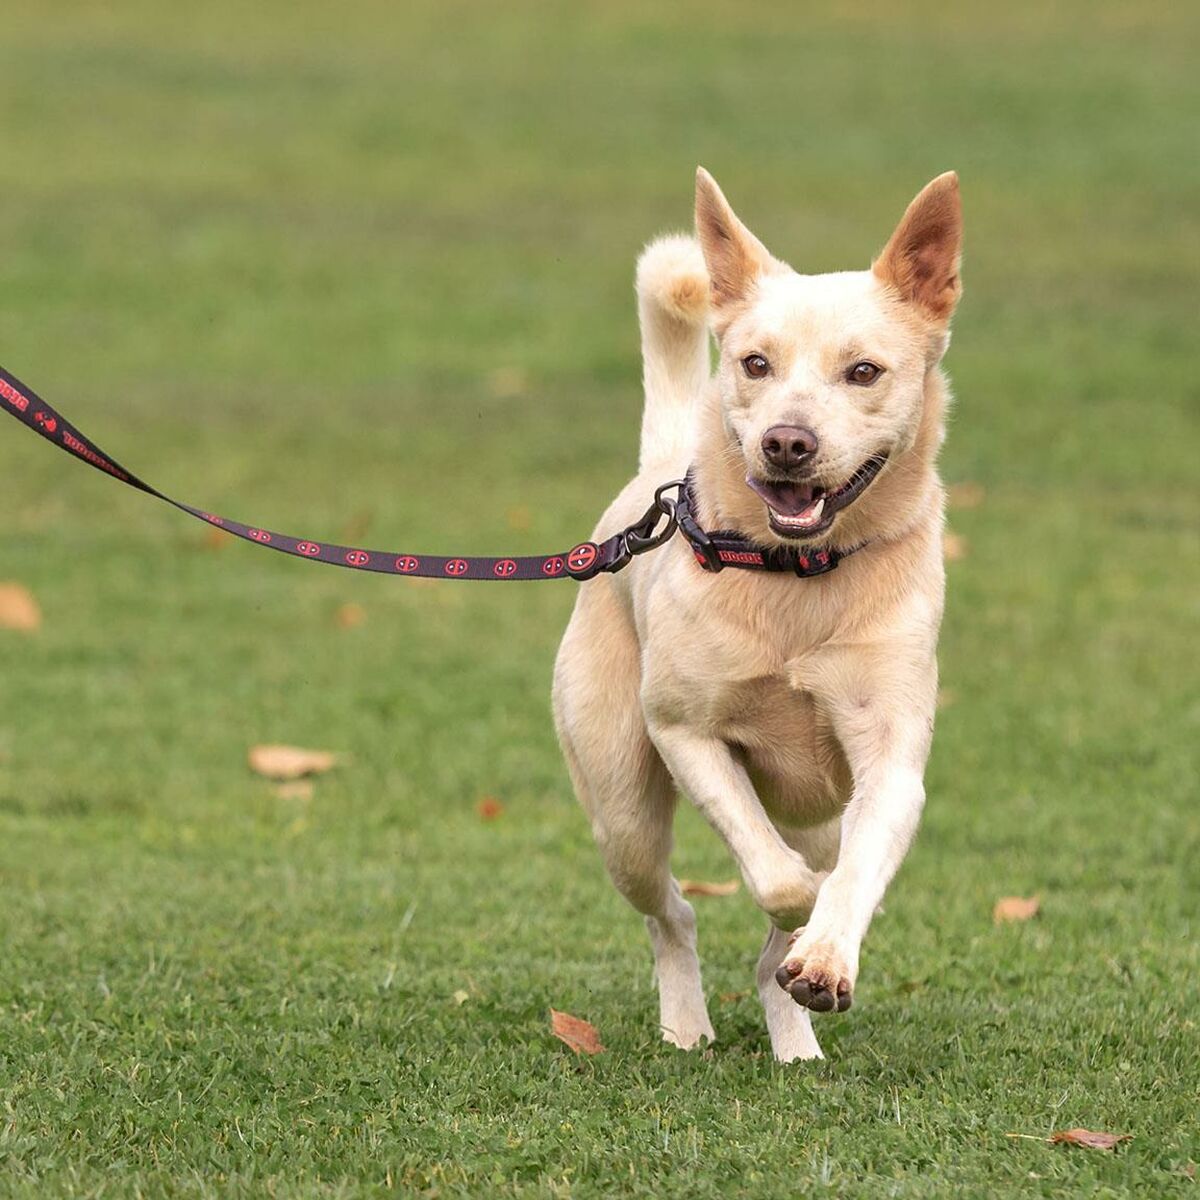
pixel 784 739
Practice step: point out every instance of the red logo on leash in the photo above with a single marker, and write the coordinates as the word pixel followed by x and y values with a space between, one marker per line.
pixel 308 549
pixel 456 566
pixel 582 558
pixel 505 569
pixel 553 566
pixel 357 558
pixel 260 535
pixel 47 422
pixel 406 564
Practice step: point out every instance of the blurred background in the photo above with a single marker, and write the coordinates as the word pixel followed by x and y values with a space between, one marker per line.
pixel 364 272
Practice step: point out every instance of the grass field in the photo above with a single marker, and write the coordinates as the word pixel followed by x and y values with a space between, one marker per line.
pixel 364 272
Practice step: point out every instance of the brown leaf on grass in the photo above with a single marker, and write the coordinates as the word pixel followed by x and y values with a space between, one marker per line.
pixel 295 789
pixel 288 762
pixel 946 697
pixel 582 1036
pixel 954 546
pixel 350 616
pixel 1015 908
pixel 216 539
pixel 967 494
pixel 733 997
pixel 698 887
pixel 519 517
pixel 18 609
pixel 1089 1138
pixel 489 808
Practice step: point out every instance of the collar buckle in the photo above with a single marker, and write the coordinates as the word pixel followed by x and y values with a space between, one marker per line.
pixel 702 545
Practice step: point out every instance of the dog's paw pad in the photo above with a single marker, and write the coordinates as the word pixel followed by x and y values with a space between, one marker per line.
pixel 815 984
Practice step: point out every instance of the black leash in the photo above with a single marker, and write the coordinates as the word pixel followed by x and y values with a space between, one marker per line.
pixel 713 551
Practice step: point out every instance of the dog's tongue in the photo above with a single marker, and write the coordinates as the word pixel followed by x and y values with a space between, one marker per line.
pixel 786 498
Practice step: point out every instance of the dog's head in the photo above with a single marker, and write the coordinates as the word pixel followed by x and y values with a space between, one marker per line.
pixel 822 378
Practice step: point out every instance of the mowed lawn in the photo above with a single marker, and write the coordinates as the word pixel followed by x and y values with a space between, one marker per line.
pixel 363 272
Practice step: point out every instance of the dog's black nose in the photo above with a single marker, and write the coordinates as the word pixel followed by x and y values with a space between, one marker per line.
pixel 788 446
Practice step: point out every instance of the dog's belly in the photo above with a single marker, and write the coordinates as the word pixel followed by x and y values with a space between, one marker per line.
pixel 788 748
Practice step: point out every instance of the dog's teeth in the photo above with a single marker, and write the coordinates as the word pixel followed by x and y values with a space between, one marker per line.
pixel 805 519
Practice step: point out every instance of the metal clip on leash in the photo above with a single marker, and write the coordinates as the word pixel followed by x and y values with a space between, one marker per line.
pixel 645 534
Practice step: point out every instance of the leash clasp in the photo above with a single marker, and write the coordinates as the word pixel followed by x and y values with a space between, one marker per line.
pixel 645 534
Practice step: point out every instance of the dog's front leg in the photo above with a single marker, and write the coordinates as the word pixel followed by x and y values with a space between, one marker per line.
pixel 779 880
pixel 884 726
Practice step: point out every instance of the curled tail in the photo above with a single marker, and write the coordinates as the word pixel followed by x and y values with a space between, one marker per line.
pixel 672 290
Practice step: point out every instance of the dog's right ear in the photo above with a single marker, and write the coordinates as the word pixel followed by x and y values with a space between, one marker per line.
pixel 733 255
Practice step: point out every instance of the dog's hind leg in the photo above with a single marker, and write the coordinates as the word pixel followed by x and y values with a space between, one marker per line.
pixel 790 1025
pixel 630 798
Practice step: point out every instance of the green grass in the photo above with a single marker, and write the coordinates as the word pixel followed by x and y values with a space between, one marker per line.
pixel 273 257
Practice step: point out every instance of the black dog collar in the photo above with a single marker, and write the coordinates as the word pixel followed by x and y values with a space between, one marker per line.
pixel 722 548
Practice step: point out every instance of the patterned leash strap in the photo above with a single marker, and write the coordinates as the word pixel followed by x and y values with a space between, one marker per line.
pixel 580 562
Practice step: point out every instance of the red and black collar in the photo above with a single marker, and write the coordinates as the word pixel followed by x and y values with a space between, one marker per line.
pixel 720 548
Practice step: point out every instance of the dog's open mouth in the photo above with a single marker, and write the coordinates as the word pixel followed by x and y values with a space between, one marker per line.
pixel 803 510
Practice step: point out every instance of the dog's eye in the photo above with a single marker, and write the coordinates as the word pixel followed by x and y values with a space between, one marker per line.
pixel 756 366
pixel 863 373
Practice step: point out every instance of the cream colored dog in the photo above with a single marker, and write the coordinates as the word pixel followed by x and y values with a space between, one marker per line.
pixel 796 713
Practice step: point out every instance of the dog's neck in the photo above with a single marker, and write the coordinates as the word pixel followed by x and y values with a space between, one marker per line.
pixel 906 496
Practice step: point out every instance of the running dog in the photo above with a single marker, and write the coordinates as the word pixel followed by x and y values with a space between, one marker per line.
pixel 795 713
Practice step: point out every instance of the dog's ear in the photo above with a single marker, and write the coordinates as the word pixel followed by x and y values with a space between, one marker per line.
pixel 921 261
pixel 733 255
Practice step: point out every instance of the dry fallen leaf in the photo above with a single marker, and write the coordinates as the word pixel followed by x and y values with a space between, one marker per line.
pixel 698 887
pixel 580 1035
pixel 489 808
pixel 350 616
pixel 1086 1137
pixel 461 997
pixel 216 539
pixel 295 789
pixel 519 517
pixel 1015 908
pixel 965 495
pixel 18 608
pixel 288 762
pixel 954 546
pixel 733 997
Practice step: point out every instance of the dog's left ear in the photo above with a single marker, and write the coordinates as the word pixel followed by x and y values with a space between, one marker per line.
pixel 921 261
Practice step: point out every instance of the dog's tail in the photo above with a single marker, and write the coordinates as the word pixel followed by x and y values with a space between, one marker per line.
pixel 672 290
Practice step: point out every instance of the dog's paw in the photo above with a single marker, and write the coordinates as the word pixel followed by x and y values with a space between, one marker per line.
pixel 689 1035
pixel 817 977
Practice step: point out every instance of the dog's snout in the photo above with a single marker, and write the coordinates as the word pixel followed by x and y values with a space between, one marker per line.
pixel 788 446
